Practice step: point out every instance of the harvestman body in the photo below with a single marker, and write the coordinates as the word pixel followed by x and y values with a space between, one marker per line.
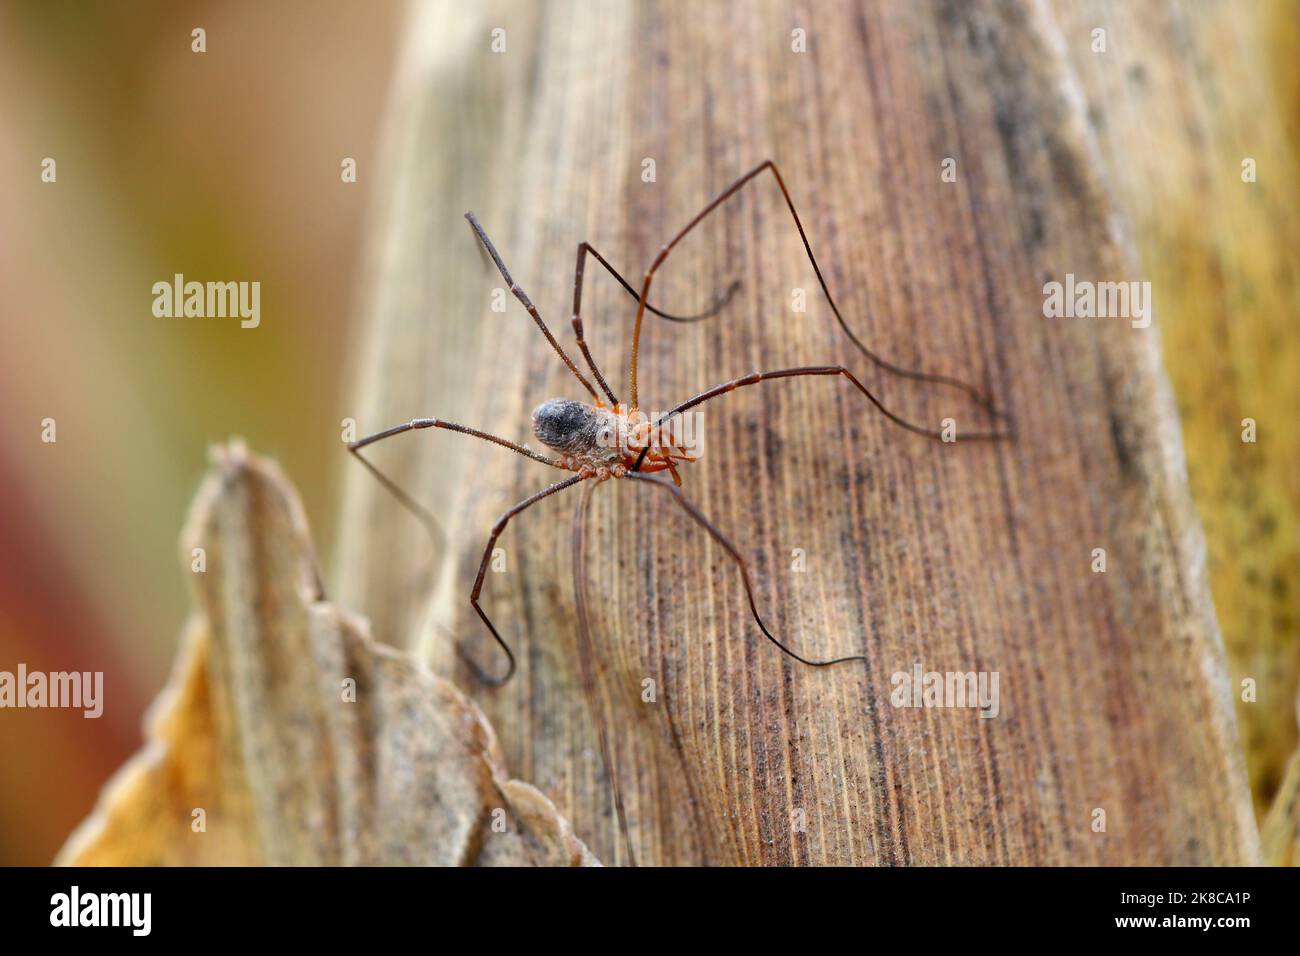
pixel 601 440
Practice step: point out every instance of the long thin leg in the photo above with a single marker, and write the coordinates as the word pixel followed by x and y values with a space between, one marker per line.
pixel 755 377
pixel 578 274
pixel 730 548
pixel 522 296
pixel 421 513
pixel 482 572
pixel 586 658
pixel 978 396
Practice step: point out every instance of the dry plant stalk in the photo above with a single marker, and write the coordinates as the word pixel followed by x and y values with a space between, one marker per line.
pixel 256 729
pixel 1114 689
pixel 1203 161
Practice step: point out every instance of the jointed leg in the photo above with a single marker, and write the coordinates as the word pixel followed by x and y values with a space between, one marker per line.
pixel 482 572
pixel 755 377
pixel 421 513
pixel 730 548
pixel 578 274
pixel 522 296
pixel 882 363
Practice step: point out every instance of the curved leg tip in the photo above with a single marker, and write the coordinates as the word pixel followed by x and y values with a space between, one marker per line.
pixel 480 675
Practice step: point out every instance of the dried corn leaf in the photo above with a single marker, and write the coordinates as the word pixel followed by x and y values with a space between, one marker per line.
pixel 1218 243
pixel 1280 831
pixel 301 739
pixel 616 129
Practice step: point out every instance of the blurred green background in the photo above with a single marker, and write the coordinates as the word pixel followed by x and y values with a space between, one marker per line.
pixel 222 166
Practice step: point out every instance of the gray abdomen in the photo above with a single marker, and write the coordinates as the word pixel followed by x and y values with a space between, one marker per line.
pixel 568 426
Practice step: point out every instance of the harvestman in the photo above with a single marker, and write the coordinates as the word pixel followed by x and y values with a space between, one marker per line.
pixel 600 440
